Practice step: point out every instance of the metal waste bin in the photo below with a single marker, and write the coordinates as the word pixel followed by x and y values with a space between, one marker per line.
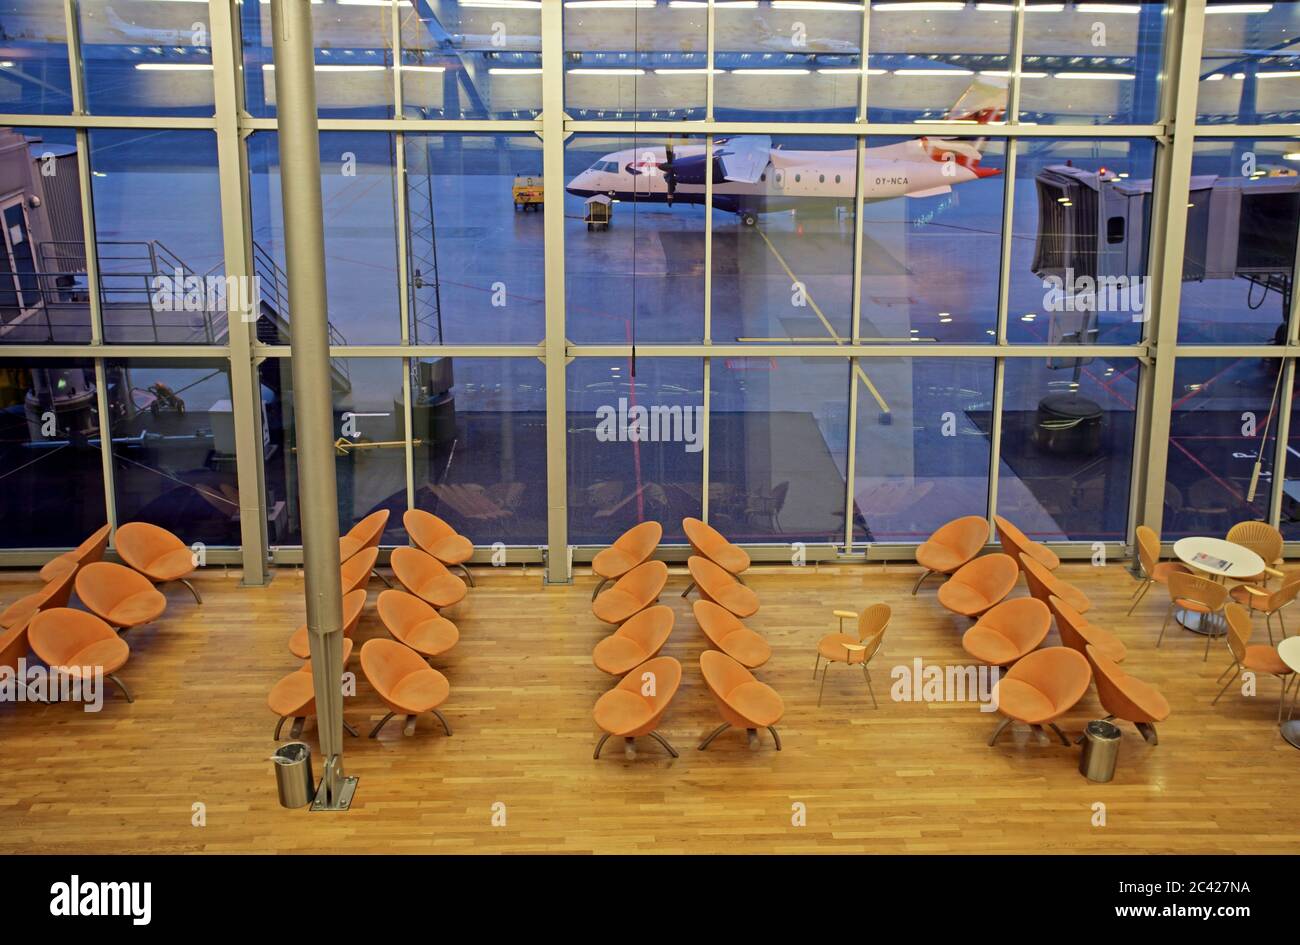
pixel 1100 751
pixel 293 777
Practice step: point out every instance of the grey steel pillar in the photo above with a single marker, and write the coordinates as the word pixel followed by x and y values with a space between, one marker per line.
pixel 295 94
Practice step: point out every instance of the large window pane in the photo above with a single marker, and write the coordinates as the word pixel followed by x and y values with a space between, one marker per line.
pixel 480 451
pixel 635 446
pixel 146 58
pixel 477 266
pixel 1239 260
pixel 1092 63
pixel 34 76
pixel 803 62
pixel 157 226
pixel 51 470
pixel 173 434
pixel 357 191
pixel 932 239
pixel 1067 447
pixel 639 278
pixel 1080 241
pixel 43 286
pixel 778 448
pixel 1249 63
pixel 634 60
pixel 370 433
pixel 1219 411
pixel 922 445
pixel 471 59
pixel 354 58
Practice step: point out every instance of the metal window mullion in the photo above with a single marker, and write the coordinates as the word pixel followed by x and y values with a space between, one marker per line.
pixel 1012 117
pixel 704 434
pixel 72 37
pixel 396 27
pixel 1283 441
pixel 404 300
pixel 710 38
pixel 995 439
pixel 850 459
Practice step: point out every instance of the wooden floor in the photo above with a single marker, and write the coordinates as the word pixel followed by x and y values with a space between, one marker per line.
pixel 909 777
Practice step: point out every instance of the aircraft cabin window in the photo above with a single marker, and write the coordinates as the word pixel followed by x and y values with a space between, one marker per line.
pixel 837 178
pixel 821 178
pixel 797 178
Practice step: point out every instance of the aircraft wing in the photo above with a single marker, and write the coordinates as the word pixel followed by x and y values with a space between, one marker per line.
pixel 744 158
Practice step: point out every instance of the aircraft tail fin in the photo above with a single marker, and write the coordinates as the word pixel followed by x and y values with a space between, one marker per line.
pixel 983 102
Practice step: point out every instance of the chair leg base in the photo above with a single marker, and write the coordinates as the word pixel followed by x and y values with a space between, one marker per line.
pixel 443 719
pixel 120 685
pixel 469 578
pixel 714 734
pixel 663 741
pixel 1059 734
pixel 689 587
pixel 374 732
pixel 629 746
pixel 197 598
pixel 998 731
pixel 387 583
pixel 921 580
pixel 1148 732
pixel 596 592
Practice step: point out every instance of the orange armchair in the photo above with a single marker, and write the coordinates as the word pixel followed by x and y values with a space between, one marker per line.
pixel 1263 539
pixel 412 621
pixel 366 533
pixel 707 542
pixel 638 639
pixel 634 591
pixel 353 603
pixel 1015 543
pixel 1194 594
pixel 427 578
pixel 1043 584
pixel 157 554
pixel 121 596
pixel 405 682
pixel 1078 634
pixel 844 648
pixel 14 645
pixel 952 546
pixel 721 586
pixel 435 537
pixel 628 712
pixel 1042 687
pixel 1257 658
pixel 633 547
pixel 977 586
pixel 88 552
pixel 742 700
pixel 1268 603
pixel 1127 698
pixel 294 697
pixel 354 574
pixel 1008 631
pixel 78 643
pixel 725 631
pixel 1154 571
pixel 55 593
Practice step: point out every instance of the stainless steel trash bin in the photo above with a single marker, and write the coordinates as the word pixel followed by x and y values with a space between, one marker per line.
pixel 293 777
pixel 1100 751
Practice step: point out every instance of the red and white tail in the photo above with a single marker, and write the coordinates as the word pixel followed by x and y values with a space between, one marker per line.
pixel 983 102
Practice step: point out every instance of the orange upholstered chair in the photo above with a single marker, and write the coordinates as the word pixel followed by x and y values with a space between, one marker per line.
pixel 1263 539
pixel 1127 698
pixel 366 533
pixel 156 553
pixel 54 593
pixel 1079 634
pixel 724 630
pixel 978 585
pixel 627 712
pixel 1008 631
pixel 639 638
pixel 88 552
pixel 1043 584
pixel 853 650
pixel 405 682
pixel 1256 658
pixel 633 547
pixel 426 577
pixel 123 597
pixel 435 537
pixel 1015 543
pixel 414 622
pixel 353 603
pixel 1194 594
pixel 742 700
pixel 79 643
pixel 1257 600
pixel 634 591
pixel 1154 570
pixel 294 697
pixel 707 542
pixel 354 573
pixel 1042 687
pixel 721 586
pixel 952 546
pixel 14 645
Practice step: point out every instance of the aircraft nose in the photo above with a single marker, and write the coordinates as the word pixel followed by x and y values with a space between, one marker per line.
pixel 580 185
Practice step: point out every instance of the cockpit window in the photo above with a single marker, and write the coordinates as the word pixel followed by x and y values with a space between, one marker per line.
pixel 609 166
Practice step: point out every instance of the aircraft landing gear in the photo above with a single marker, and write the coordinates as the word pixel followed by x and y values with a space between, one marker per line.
pixel 749 219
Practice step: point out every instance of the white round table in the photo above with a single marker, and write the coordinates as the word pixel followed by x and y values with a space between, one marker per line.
pixel 1289 650
pixel 1239 562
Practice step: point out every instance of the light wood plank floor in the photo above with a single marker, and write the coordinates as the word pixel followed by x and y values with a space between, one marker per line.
pixel 908 777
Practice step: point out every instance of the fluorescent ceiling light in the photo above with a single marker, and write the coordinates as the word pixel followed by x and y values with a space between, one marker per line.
pixel 737 4
pixel 606 72
pixel 919 6
pixel 1115 76
pixel 609 4
pixel 1237 8
pixel 771 71
pixel 692 4
pixel 1217 77
pixel 699 70
pixel 848 71
pixel 174 66
pixel 7 64
pixel 816 5
pixel 502 70
pixel 270 67
pixel 995 74
pixel 938 72
pixel 426 69
pixel 1029 7
pixel 1277 75
pixel 504 4
pixel 1291 156
pixel 1108 7
pixel 371 3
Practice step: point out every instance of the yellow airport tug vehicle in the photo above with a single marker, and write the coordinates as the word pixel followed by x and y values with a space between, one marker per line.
pixel 527 193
